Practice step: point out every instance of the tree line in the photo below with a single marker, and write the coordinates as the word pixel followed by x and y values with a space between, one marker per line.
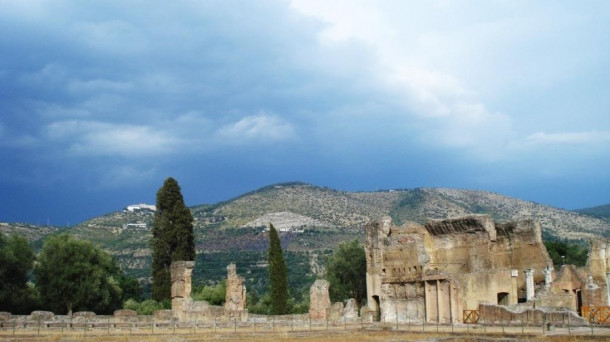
pixel 67 275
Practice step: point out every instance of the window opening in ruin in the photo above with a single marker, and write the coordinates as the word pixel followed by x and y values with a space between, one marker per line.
pixel 503 298
pixel 578 301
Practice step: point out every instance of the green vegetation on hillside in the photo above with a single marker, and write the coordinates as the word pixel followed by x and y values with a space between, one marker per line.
pixel 569 253
pixel 409 207
pixel 602 211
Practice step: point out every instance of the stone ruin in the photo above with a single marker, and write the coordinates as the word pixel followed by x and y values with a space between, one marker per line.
pixel 433 272
pixel 235 299
pixel 184 308
pixel 319 300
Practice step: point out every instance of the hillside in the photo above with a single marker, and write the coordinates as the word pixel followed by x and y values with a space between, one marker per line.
pixel 34 233
pixel 602 211
pixel 428 203
pixel 313 221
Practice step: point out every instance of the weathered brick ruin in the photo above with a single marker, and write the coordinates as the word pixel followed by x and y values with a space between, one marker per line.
pixel 433 272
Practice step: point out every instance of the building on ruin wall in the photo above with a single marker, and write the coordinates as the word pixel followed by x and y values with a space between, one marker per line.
pixel 433 272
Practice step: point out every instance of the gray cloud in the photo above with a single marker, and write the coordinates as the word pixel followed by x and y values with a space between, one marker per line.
pixel 357 95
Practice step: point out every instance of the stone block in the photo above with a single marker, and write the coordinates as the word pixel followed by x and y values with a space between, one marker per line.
pixel 351 309
pixel 336 311
pixel 163 315
pixel 319 300
pixel 41 315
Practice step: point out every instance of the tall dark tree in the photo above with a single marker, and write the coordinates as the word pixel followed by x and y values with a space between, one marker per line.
pixel 75 275
pixel 278 281
pixel 16 261
pixel 172 239
pixel 346 272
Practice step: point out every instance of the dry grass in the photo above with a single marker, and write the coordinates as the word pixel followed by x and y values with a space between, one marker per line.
pixel 285 333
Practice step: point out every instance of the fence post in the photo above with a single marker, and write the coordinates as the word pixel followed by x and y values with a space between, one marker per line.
pixel 235 325
pixel 344 322
pixel 569 330
pixel 326 322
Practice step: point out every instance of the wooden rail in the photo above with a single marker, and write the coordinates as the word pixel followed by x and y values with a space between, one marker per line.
pixel 471 316
pixel 596 314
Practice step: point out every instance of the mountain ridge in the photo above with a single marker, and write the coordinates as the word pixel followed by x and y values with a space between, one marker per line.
pixel 314 220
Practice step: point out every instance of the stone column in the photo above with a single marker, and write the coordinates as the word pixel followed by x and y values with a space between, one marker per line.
pixel 235 299
pixel 319 300
pixel 548 272
pixel 529 283
pixel 181 272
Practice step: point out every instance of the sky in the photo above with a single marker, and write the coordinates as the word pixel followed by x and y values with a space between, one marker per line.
pixel 101 101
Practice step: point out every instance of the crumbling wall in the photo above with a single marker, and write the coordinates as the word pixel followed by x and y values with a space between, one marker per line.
pixel 496 314
pixel 433 272
pixel 235 299
pixel 598 266
pixel 185 309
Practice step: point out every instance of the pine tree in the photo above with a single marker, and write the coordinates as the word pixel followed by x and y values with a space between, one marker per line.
pixel 277 275
pixel 173 238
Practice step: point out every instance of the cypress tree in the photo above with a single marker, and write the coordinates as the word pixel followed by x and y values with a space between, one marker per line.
pixel 172 239
pixel 277 275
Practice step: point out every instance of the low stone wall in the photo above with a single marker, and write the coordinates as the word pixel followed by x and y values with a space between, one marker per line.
pixel 502 315
pixel 49 319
